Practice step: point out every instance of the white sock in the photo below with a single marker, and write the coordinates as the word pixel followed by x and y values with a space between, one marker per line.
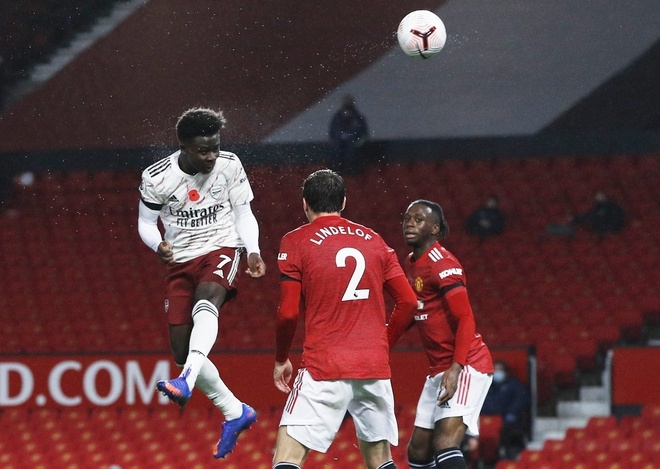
pixel 203 336
pixel 210 383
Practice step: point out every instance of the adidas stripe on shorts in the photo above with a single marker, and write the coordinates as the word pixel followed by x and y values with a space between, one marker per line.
pixel 466 402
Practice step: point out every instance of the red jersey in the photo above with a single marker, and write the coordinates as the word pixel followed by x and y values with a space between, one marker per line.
pixel 434 277
pixel 341 267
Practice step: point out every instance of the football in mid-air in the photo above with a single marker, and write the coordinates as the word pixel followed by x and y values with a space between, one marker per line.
pixel 421 34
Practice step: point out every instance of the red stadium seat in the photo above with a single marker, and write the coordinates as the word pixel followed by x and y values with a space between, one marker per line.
pixel 637 459
pixel 601 425
pixel 503 464
pixel 651 414
pixel 647 435
pixel 622 445
pixel 489 438
pixel 603 459
pixel 570 458
pixel 651 447
pixel 557 359
pixel 557 446
pixel 530 458
pixel 607 335
pixel 577 436
pixel 631 425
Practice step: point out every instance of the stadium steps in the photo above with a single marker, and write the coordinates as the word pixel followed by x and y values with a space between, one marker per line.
pixel 603 442
pixel 41 73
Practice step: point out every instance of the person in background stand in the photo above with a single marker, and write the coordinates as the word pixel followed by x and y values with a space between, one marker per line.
pixel 509 398
pixel 605 216
pixel 349 132
pixel 488 220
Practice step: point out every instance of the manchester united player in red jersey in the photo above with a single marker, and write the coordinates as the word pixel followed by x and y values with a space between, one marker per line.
pixel 338 268
pixel 461 365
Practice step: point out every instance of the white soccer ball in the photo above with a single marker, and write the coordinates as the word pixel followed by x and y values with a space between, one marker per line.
pixel 421 34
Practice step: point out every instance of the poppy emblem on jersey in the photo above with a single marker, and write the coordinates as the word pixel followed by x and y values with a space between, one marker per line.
pixel 419 284
pixel 193 195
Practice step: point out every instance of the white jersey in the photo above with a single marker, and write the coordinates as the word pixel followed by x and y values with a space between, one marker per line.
pixel 196 210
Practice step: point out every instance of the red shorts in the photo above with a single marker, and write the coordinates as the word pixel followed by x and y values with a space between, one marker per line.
pixel 219 266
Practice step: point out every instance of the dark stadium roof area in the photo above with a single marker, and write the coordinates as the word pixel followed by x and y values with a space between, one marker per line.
pixel 510 68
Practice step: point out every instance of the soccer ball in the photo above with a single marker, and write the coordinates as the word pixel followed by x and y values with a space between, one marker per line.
pixel 421 34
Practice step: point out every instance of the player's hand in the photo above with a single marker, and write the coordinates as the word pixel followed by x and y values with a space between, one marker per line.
pixel 165 252
pixel 282 375
pixel 449 383
pixel 256 265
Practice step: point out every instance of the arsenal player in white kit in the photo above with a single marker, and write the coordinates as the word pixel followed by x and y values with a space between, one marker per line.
pixel 202 197
pixel 461 366
pixel 338 268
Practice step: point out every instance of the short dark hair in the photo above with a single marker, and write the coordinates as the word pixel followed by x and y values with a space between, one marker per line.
pixel 324 191
pixel 439 215
pixel 199 122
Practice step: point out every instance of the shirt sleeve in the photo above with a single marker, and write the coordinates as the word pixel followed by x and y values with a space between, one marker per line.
pixel 288 259
pixel 148 226
pixel 240 191
pixel 287 318
pixel 405 302
pixel 290 293
pixel 247 227
pixel 148 193
pixel 459 307
pixel 392 267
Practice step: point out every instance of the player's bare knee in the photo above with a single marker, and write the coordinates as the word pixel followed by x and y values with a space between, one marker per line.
pixel 420 455
pixel 210 291
pixel 288 450
pixel 449 433
pixel 420 446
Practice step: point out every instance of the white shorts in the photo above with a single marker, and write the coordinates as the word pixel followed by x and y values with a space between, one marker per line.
pixel 466 402
pixel 315 410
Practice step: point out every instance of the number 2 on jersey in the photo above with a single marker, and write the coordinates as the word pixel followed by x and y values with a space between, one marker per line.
pixel 352 292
